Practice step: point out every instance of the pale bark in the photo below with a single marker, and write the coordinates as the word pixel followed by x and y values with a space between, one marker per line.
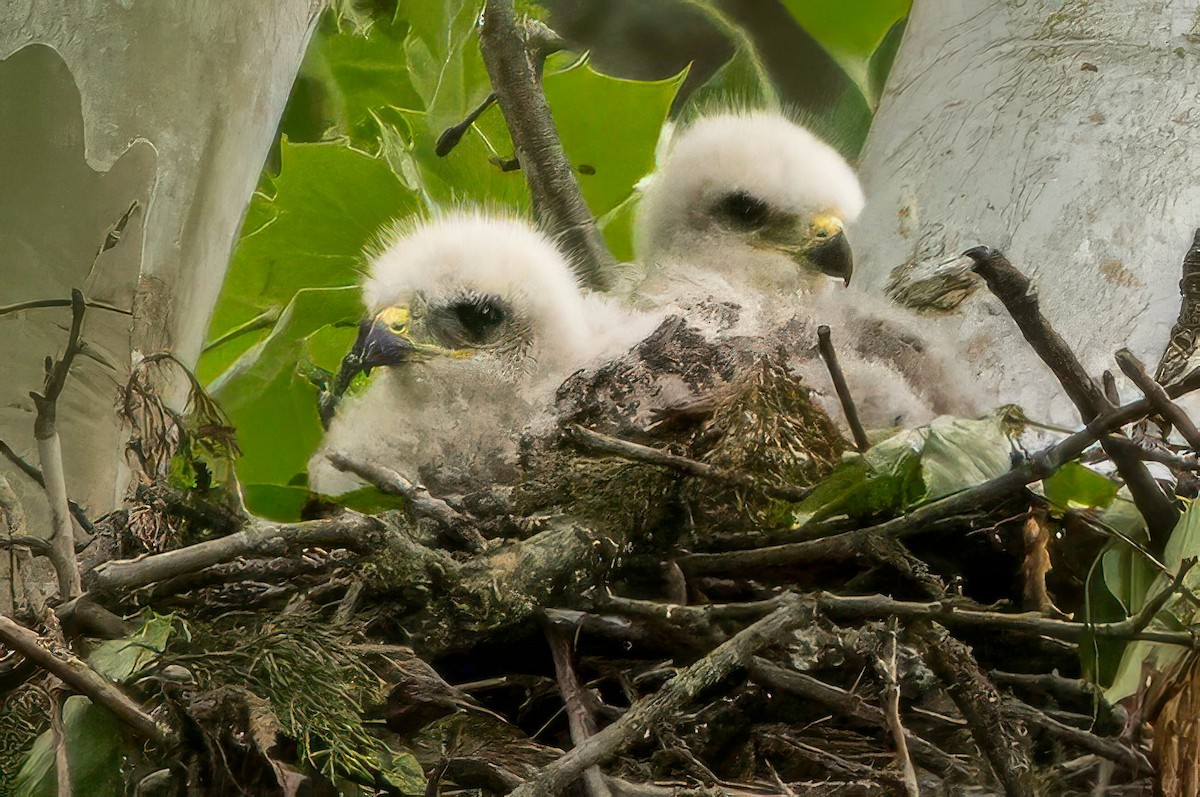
pixel 1065 134
pixel 104 104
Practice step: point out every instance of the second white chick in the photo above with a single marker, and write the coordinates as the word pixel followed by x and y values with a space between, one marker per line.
pixel 475 320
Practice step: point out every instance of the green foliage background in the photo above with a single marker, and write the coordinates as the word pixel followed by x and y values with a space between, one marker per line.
pixel 356 150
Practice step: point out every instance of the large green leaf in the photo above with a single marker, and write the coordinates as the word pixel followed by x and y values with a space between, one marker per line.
pixel 96 747
pixel 1074 486
pixel 961 453
pixel 850 30
pixel 121 659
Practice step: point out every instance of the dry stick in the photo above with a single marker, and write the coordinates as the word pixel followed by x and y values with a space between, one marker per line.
pixel 83 679
pixel 579 719
pixel 1016 292
pixel 45 431
pixel 600 443
pixel 646 714
pixel 420 501
pixel 557 200
pixel 825 345
pixel 29 470
pixel 979 703
pixel 1186 462
pixel 847 704
pixel 356 532
pixel 42 303
pixel 887 670
pixel 849 544
pixel 1105 748
pixel 1133 368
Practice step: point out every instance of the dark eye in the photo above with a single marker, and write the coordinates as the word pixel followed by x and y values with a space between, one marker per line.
pixel 743 210
pixel 479 316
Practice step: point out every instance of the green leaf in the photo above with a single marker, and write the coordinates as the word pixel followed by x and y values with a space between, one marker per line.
pixel 1074 486
pixel 850 30
pixel 121 659
pixel 402 771
pixel 886 478
pixel 96 749
pixel 308 231
pixel 272 406
pixel 960 453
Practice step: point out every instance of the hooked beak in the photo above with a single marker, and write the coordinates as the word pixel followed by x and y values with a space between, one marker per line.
pixel 378 345
pixel 832 255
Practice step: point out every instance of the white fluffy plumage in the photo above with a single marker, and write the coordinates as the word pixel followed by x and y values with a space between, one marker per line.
pixel 491 320
pixel 749 208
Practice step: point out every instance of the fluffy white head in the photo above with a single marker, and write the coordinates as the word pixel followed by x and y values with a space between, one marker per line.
pixel 463 254
pixel 760 158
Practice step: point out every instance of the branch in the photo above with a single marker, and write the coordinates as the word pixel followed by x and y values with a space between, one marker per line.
pixel 83 679
pixel 1133 368
pixel 600 443
pixel 1105 748
pixel 645 715
pixel 417 499
pixel 42 303
pixel 557 201
pixel 580 721
pixel 356 532
pixel 29 470
pixel 45 431
pixel 825 344
pixel 1017 294
pixel 891 689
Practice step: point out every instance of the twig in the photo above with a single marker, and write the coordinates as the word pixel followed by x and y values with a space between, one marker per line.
pixel 450 137
pixel 1016 292
pixel 417 499
pixel 41 303
pixel 356 532
pixel 1133 368
pixel 825 345
pixel 644 715
pixel 600 443
pixel 557 199
pixel 45 431
pixel 1185 462
pixel 580 721
pixel 948 614
pixel 849 705
pixel 849 544
pixel 886 667
pixel 979 703
pixel 29 470
pixel 1105 748
pixel 83 679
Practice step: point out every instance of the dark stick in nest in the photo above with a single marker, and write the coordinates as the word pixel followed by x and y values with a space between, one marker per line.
pixel 1133 368
pixel 825 344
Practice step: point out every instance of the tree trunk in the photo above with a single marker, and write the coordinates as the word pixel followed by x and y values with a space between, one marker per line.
pixel 168 109
pixel 1066 134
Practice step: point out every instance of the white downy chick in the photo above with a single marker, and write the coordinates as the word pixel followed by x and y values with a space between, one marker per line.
pixel 475 319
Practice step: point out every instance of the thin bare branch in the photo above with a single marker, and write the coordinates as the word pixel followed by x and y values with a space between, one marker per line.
pixel 825 345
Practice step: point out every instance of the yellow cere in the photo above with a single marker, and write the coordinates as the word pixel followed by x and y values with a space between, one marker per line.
pixel 826 225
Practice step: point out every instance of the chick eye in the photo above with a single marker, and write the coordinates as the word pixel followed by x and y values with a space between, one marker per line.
pixel 743 210
pixel 479 316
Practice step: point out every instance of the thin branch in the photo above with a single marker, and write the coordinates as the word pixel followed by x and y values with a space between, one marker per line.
pixel 417 499
pixel 1017 294
pixel 647 714
pixel 886 668
pixel 356 532
pixel 825 345
pixel 580 721
pixel 1133 368
pixel 37 304
pixel 83 679
pixel 33 473
pixel 1105 748
pixel 557 200
pixel 600 443
pixel 45 431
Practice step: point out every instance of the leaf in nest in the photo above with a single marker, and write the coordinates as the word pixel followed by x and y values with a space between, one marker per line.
pixel 121 659
pixel 960 453
pixel 1075 486
pixel 96 748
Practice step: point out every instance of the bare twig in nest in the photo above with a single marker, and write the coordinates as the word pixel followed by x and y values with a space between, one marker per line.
pixel 886 668
pixel 980 704
pixel 1109 749
pixel 557 200
pixel 1016 292
pixel 1133 368
pixel 825 345
pixel 600 443
pixel 580 721
pixel 355 532
pixel 850 544
pixel 417 499
pixel 83 679
pixel 648 713
pixel 45 431
pixel 847 704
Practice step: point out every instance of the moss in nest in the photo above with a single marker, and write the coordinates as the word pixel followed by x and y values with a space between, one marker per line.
pixel 301 666
pixel 769 428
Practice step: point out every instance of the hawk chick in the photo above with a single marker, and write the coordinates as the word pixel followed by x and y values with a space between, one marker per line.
pixel 474 319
